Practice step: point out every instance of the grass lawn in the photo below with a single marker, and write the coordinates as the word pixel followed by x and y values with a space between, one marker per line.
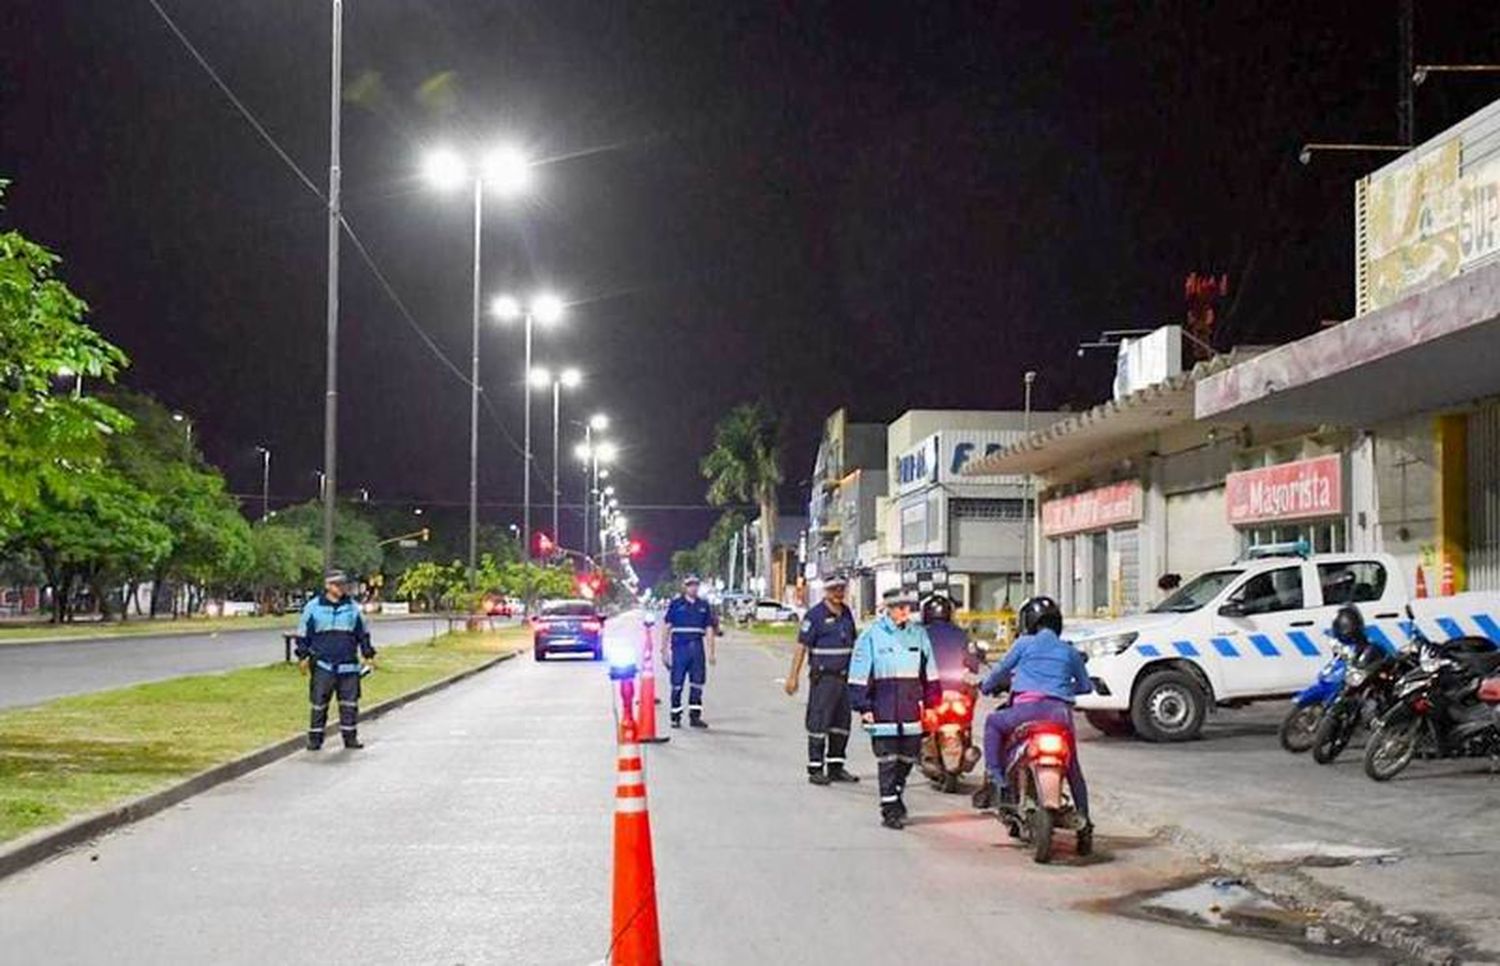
pixel 81 754
pixel 780 632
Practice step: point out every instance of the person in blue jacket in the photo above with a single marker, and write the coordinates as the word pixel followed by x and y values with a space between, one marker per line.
pixel 333 643
pixel 688 645
pixel 891 676
pixel 1045 673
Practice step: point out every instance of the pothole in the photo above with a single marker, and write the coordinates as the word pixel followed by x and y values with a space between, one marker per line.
pixel 1228 905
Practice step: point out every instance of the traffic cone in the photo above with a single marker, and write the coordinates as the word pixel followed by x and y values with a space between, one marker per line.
pixel 1447 588
pixel 645 714
pixel 1421 581
pixel 636 935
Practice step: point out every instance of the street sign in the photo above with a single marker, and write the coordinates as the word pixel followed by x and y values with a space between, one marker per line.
pixel 408 543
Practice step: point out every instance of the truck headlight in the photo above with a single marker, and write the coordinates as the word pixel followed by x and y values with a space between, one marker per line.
pixel 1108 646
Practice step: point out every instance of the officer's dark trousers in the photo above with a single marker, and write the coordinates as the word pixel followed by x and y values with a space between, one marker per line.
pixel 895 756
pixel 827 720
pixel 321 690
pixel 688 666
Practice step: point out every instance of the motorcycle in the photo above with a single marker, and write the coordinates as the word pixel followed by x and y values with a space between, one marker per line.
pixel 948 750
pixel 1037 800
pixel 1310 704
pixel 1443 709
pixel 1369 689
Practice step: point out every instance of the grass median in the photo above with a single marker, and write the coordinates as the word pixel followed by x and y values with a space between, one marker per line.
pixel 78 755
pixel 11 633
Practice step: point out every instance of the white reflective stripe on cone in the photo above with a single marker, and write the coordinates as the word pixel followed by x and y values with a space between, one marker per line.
pixel 629 806
pixel 631 779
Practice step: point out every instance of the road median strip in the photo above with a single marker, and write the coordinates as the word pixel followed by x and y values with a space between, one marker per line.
pixel 74 768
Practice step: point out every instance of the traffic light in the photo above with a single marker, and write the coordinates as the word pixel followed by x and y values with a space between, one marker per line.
pixel 633 548
pixel 426 534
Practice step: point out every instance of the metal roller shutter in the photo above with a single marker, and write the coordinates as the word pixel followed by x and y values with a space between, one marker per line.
pixel 1199 538
pixel 1484 499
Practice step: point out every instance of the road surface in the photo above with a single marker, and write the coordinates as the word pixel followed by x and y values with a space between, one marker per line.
pixel 30 673
pixel 476 828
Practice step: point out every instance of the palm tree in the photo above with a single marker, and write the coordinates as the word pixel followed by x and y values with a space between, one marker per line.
pixel 745 464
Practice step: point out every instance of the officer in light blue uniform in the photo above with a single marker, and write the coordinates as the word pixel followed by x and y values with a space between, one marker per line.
pixel 689 642
pixel 334 644
pixel 892 675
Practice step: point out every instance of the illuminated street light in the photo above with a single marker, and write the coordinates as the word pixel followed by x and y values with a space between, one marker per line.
pixel 545 308
pixel 598 421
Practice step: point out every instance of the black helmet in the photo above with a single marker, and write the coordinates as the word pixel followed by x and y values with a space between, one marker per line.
pixel 1038 612
pixel 1349 625
pixel 938 607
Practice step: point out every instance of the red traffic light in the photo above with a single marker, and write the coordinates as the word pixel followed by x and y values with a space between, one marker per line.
pixel 633 548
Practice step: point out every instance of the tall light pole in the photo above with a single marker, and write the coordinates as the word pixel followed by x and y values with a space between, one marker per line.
pixel 545 309
pixel 1027 380
pixel 505 170
pixel 569 378
pixel 265 481
pixel 599 422
pixel 592 454
pixel 187 429
pixel 335 218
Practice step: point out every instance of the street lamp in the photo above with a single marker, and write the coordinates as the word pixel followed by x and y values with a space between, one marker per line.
pixel 570 378
pixel 505 171
pixel 597 422
pixel 1422 71
pixel 1028 379
pixel 187 426
pixel 592 454
pixel 265 481
pixel 1305 155
pixel 546 309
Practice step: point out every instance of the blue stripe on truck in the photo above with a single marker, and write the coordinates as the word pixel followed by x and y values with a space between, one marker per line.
pixel 1304 644
pixel 1222 645
pixel 1488 627
pixel 1185 648
pixel 1263 645
pixel 1450 627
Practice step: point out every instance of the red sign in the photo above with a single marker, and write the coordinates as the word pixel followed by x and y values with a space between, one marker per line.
pixel 1289 491
pixel 1098 509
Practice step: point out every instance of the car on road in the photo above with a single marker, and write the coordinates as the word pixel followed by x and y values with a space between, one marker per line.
pixel 503 606
pixel 775 612
pixel 567 626
pixel 1252 630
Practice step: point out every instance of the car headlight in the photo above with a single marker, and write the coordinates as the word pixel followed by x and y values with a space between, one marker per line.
pixel 1108 646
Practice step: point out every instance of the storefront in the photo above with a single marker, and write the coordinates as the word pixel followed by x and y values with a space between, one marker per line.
pixel 1297 501
pixel 1092 551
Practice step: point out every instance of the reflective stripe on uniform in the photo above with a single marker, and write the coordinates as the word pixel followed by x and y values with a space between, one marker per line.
pixel 689 631
pixel 830 651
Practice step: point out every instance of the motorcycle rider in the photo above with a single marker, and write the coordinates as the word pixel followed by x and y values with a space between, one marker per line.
pixel 950 643
pixel 891 676
pixel 826 642
pixel 1045 674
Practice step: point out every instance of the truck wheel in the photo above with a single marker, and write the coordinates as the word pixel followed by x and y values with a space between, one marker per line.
pixel 1169 705
pixel 1111 724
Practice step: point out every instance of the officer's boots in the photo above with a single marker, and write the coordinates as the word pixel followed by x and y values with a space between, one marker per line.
pixel 695 720
pixel 838 773
pixel 351 740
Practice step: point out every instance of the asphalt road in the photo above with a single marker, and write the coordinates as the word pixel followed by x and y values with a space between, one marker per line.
pixel 476 828
pixel 30 673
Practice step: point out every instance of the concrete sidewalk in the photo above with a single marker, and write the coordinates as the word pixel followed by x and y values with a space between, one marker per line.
pixel 1417 854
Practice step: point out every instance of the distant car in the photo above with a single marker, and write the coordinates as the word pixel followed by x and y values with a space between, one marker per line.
pixel 774 611
pixel 571 626
pixel 502 607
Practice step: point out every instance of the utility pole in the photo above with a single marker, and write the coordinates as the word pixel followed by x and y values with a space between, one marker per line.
pixel 474 395
pixel 335 217
pixel 1028 379
pixel 265 481
pixel 1405 102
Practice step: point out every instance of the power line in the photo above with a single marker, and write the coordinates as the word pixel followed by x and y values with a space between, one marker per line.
pixel 507 505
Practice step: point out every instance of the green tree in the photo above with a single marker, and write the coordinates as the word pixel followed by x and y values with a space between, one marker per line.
pixel 428 582
pixel 356 546
pixel 745 465
pixel 49 440
pixel 282 560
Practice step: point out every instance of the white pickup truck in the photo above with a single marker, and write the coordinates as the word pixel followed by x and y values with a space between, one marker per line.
pixel 1252 630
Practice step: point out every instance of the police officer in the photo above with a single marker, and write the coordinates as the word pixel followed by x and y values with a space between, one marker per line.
pixel 826 642
pixel 892 675
pixel 691 633
pixel 334 644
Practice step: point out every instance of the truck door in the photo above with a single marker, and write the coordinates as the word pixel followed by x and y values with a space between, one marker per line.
pixel 1367 585
pixel 1266 638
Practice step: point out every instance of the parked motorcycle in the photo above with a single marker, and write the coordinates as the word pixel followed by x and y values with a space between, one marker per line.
pixel 1369 690
pixel 1037 797
pixel 948 750
pixel 1443 708
pixel 1310 704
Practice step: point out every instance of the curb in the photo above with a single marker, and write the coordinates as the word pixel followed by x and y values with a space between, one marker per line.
pixel 1422 939
pixel 44 844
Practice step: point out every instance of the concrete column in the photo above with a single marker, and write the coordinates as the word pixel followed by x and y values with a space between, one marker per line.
pixel 1364 496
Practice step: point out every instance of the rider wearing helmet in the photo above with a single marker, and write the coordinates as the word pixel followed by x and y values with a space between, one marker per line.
pixel 950 643
pixel 1045 673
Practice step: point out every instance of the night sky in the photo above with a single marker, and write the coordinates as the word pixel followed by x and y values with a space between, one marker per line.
pixel 884 205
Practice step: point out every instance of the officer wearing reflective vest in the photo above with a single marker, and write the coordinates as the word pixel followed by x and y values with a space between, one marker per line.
pixel 688 646
pixel 892 675
pixel 334 644
pixel 826 643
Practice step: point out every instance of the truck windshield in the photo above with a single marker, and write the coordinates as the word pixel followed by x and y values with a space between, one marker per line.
pixel 1197 593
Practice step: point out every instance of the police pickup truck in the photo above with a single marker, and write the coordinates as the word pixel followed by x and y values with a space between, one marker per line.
pixel 1252 630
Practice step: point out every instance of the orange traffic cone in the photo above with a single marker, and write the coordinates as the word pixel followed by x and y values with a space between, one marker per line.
pixel 645 715
pixel 1421 581
pixel 635 934
pixel 1447 587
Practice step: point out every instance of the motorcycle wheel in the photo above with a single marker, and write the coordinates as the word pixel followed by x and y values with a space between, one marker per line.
pixel 1041 836
pixel 1391 748
pixel 1298 727
pixel 1333 733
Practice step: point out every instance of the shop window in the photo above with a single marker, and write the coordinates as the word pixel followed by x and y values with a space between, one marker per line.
pixel 1326 536
pixel 1271 592
pixel 1351 583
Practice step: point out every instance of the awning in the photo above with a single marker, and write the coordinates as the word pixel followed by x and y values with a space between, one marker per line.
pixel 1108 425
pixel 1432 350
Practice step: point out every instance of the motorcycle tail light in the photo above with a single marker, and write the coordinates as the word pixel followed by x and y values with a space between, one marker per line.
pixel 1421 706
pixel 959 708
pixel 1049 743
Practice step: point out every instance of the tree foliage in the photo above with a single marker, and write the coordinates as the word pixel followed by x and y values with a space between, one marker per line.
pixel 282 560
pixel 356 546
pixel 745 465
pixel 50 437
